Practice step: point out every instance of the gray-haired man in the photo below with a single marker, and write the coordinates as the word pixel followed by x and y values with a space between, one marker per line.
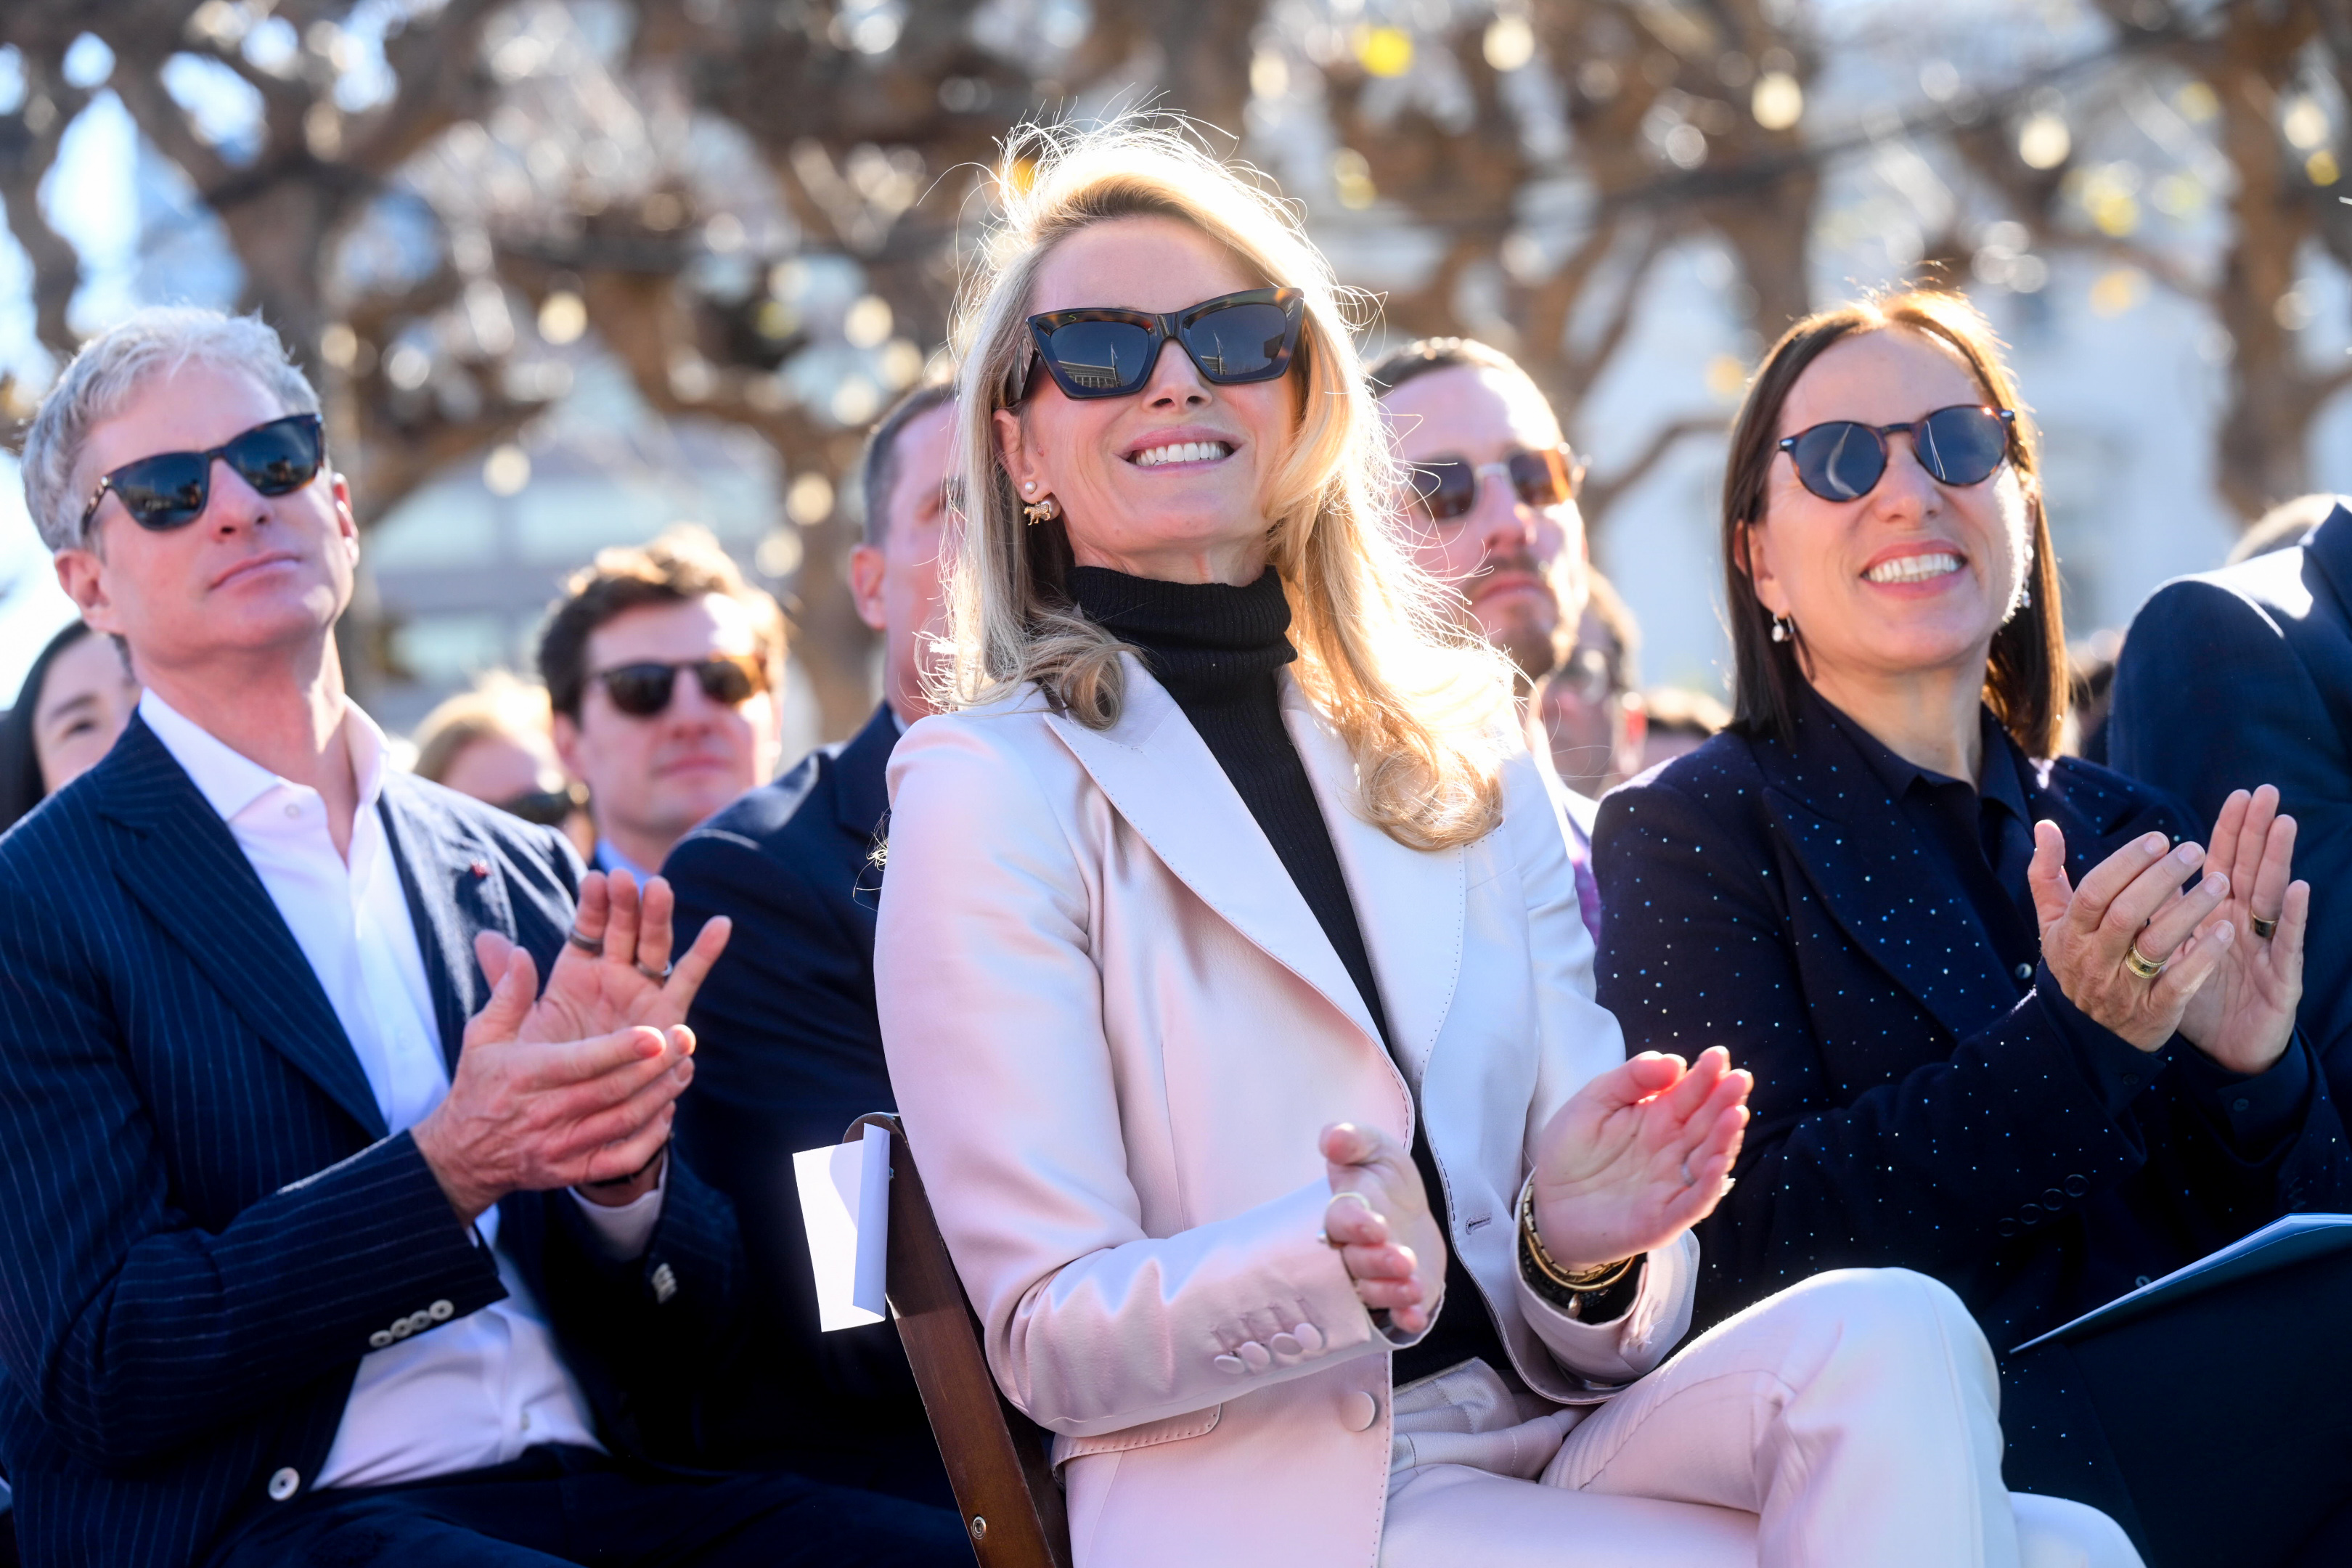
pixel 325 1234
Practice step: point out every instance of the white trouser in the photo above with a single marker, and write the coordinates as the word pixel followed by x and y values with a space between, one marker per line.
pixel 1851 1420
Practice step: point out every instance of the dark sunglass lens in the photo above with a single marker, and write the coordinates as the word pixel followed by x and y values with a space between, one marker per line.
pixel 1102 356
pixel 1962 446
pixel 162 492
pixel 640 691
pixel 1840 460
pixel 1447 488
pixel 1237 342
pixel 547 807
pixel 724 680
pixel 277 458
pixel 1542 478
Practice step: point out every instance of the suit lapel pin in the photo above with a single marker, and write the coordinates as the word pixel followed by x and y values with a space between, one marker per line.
pixel 479 867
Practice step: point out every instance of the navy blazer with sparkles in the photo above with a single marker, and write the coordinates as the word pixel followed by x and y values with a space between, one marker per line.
pixel 202 1219
pixel 2243 676
pixel 1912 1108
pixel 789 1052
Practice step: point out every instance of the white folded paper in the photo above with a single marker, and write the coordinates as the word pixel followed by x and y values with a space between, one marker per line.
pixel 846 1210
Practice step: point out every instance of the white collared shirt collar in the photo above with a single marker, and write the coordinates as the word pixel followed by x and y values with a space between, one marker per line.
pixel 230 780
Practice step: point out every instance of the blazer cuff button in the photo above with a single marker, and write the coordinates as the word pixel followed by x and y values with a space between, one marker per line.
pixel 285 1483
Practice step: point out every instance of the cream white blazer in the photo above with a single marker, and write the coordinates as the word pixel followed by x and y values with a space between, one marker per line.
pixel 1116 1031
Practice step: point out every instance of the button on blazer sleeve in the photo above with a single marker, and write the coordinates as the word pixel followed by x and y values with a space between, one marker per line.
pixel 991 1015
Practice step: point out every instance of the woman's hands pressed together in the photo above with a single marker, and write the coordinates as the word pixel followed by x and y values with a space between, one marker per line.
pixel 1379 1219
pixel 2228 990
pixel 1640 1153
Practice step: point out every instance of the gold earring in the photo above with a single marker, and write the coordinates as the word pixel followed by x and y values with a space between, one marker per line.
pixel 1045 510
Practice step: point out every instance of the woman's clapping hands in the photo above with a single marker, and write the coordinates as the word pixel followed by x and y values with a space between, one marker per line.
pixel 1639 1155
pixel 1642 1153
pixel 2230 991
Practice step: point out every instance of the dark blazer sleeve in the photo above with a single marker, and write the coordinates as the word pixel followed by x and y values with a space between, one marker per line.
pixel 2211 696
pixel 1698 949
pixel 790 1053
pixel 128 1328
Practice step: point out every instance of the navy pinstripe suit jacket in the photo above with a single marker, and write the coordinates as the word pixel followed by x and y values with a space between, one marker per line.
pixel 202 1219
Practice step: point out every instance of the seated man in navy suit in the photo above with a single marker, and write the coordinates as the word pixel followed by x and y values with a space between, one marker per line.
pixel 792 1052
pixel 2243 676
pixel 288 1273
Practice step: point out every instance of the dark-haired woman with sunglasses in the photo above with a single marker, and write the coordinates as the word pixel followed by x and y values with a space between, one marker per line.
pixel 1235 992
pixel 1998 1034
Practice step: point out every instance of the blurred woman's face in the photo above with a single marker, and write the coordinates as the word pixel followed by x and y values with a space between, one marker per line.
pixel 86 698
pixel 1199 518
pixel 1914 575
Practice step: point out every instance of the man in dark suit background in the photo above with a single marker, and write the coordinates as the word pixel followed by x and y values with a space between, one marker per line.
pixel 285 1274
pixel 2243 676
pixel 790 1049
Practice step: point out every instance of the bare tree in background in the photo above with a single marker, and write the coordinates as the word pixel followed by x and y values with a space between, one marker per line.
pixel 2221 99
pixel 687 196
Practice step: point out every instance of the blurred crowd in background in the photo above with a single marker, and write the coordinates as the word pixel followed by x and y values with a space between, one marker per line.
pixel 573 273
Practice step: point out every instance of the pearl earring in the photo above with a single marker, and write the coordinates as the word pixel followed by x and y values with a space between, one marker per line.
pixel 1029 489
pixel 1045 510
pixel 1783 628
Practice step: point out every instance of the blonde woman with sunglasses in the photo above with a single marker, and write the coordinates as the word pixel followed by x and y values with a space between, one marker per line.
pixel 1239 1007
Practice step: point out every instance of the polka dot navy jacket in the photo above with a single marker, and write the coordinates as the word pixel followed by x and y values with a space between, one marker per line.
pixel 1918 1102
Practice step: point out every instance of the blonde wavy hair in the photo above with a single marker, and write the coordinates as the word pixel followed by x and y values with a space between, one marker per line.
pixel 1419 703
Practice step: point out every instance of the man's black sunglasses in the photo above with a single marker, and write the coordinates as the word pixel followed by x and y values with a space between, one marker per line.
pixel 644 689
pixel 1843 460
pixel 547 807
pixel 1447 488
pixel 1106 353
pixel 171 490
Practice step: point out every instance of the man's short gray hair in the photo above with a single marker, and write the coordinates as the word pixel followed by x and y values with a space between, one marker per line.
pixel 110 366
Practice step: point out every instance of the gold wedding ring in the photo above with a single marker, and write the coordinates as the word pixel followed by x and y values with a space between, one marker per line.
pixel 2264 929
pixel 2139 964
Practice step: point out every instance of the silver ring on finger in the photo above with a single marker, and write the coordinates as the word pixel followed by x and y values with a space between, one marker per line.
pixel 1688 1180
pixel 2262 928
pixel 2139 964
pixel 593 946
pixel 657 976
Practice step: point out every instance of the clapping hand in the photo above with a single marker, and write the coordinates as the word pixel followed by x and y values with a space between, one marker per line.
pixel 2145 960
pixel 1642 1152
pixel 1379 1221
pixel 615 970
pixel 2243 1015
pixel 534 1115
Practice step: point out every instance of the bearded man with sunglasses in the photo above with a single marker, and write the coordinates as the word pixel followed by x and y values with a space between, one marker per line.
pixel 1493 508
pixel 286 1274
pixel 659 752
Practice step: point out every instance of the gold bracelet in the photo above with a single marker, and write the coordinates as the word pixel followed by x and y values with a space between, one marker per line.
pixel 1583 1281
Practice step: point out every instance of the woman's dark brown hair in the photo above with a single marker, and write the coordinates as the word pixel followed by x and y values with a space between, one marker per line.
pixel 2025 675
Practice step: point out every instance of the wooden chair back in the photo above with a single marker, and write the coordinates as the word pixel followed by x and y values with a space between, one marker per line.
pixel 996 1457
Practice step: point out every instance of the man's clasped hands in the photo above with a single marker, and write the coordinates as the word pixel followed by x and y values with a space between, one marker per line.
pixel 577 1085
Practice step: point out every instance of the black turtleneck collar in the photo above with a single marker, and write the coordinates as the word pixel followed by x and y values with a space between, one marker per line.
pixel 1200 639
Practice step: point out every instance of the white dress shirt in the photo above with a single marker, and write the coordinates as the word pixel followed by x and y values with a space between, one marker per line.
pixel 460 1395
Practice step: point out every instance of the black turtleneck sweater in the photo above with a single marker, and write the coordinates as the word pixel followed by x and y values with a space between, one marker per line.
pixel 1218 650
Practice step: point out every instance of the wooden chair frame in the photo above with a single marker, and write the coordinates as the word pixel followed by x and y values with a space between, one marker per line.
pixel 996 1458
